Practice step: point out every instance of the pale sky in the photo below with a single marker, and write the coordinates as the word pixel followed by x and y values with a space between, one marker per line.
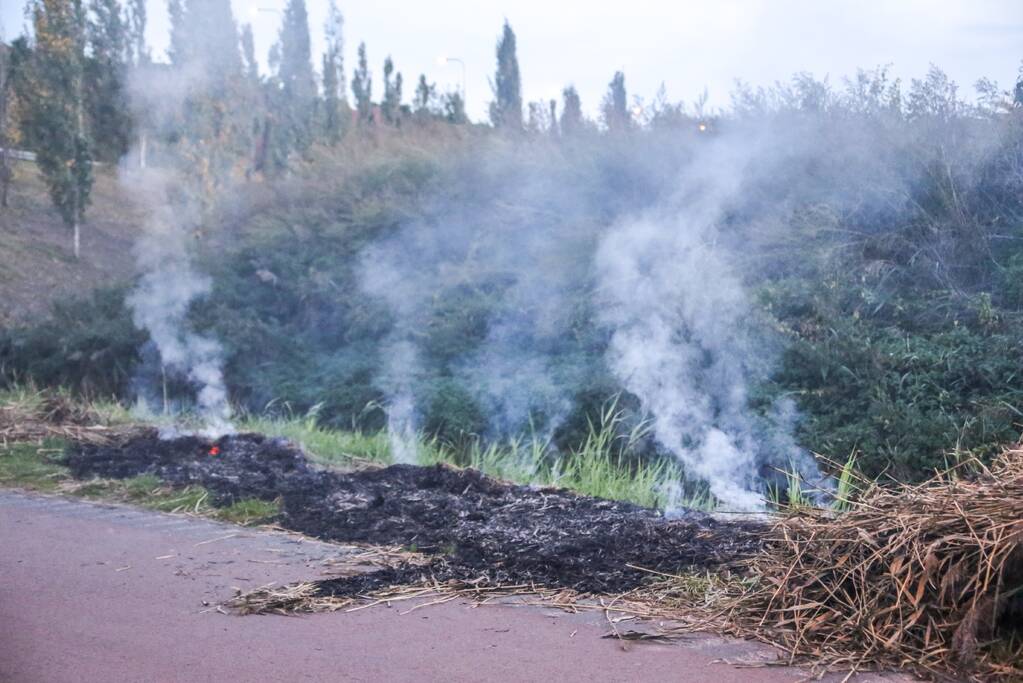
pixel 687 45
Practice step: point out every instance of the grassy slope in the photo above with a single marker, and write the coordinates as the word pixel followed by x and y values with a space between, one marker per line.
pixel 36 264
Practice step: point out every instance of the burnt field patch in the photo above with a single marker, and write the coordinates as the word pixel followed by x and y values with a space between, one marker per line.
pixel 473 527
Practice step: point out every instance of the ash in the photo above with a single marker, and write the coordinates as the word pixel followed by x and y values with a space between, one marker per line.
pixel 475 527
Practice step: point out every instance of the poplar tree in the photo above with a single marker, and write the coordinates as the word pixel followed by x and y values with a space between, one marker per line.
pixel 362 86
pixel 177 49
pixel 1017 99
pixel 136 18
pixel 212 125
pixel 506 109
pixel 426 94
pixel 296 80
pixel 615 107
pixel 334 103
pixel 571 112
pixel 106 75
pixel 391 104
pixel 454 108
pixel 6 101
pixel 55 108
pixel 250 67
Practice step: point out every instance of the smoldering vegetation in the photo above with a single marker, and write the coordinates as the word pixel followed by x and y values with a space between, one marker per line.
pixel 472 528
pixel 818 269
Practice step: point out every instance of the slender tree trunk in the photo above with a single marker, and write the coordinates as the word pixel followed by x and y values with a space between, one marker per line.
pixel 5 174
pixel 5 170
pixel 79 131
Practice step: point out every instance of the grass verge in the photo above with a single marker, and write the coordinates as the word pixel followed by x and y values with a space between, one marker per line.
pixel 602 466
pixel 37 467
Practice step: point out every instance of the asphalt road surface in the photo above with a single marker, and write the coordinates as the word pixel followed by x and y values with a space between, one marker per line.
pixel 92 592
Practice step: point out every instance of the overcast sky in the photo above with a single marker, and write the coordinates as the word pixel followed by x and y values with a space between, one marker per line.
pixel 687 45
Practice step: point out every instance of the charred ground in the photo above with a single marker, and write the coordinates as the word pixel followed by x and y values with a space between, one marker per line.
pixel 475 527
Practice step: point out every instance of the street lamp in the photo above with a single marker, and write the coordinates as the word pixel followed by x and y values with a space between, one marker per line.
pixel 256 10
pixel 444 61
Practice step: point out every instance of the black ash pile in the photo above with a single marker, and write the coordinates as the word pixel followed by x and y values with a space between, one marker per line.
pixel 473 526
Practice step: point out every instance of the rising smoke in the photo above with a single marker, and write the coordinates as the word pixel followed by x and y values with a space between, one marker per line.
pixel 681 334
pixel 167 287
pixel 168 283
pixel 676 325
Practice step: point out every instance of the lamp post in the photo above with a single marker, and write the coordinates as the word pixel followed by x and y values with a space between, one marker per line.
pixel 443 61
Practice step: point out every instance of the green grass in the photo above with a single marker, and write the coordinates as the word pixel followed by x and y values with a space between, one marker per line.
pixel 32 466
pixel 249 511
pixel 149 491
pixel 22 397
pixel 328 446
pixel 602 466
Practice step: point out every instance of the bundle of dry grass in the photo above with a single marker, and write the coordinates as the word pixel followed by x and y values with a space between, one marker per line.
pixel 44 415
pixel 927 577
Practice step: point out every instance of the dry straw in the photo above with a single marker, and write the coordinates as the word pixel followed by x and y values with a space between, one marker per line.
pixel 54 416
pixel 927 578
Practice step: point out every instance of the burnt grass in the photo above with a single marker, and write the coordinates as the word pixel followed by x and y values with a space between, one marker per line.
pixel 473 526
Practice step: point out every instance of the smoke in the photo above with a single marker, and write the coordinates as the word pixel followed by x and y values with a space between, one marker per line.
pixel 402 421
pixel 166 289
pixel 682 333
pixel 676 312
pixel 525 252
pixel 168 282
pixel 492 293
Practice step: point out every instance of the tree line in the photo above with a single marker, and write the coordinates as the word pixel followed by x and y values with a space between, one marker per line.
pixel 83 88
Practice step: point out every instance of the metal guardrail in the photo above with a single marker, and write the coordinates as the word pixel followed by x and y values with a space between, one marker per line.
pixel 22 155
pixel 19 154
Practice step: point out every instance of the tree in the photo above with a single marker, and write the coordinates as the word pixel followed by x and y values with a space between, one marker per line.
pixel 212 124
pixel 391 104
pixel 454 108
pixel 615 108
pixel 177 49
pixel 423 102
pixel 362 87
pixel 106 74
pixel 296 80
pixel 571 112
pixel 136 18
pixel 506 109
pixel 1018 91
pixel 56 108
pixel 250 66
pixel 334 103
pixel 7 128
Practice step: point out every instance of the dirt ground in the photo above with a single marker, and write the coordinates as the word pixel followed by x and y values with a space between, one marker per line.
pixel 103 593
pixel 473 526
pixel 36 262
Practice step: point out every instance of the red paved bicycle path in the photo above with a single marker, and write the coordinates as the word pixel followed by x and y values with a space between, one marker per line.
pixel 105 593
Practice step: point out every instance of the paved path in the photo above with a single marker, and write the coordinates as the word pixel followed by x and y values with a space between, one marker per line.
pixel 93 592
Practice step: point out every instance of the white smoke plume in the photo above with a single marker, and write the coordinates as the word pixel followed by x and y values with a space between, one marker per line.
pixel 402 429
pixel 538 247
pixel 167 287
pixel 676 313
pixel 682 337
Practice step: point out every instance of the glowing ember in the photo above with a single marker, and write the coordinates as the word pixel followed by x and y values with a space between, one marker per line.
pixel 215 450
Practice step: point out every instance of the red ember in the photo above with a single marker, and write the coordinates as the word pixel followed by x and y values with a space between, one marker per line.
pixel 215 450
